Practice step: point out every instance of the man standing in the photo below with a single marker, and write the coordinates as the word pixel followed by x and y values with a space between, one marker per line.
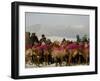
pixel 43 39
pixel 34 38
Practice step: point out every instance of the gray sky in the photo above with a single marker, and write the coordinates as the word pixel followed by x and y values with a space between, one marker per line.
pixel 62 25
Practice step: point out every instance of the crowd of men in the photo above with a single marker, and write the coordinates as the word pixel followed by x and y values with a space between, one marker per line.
pixel 32 41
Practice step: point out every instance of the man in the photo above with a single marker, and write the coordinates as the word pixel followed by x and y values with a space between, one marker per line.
pixel 34 38
pixel 43 39
pixel 28 43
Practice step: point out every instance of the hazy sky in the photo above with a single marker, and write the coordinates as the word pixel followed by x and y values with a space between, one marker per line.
pixel 62 25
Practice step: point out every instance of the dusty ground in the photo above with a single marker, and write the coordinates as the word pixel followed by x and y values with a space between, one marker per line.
pixel 51 65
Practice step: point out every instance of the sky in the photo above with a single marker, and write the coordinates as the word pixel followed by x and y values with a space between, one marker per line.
pixel 57 25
